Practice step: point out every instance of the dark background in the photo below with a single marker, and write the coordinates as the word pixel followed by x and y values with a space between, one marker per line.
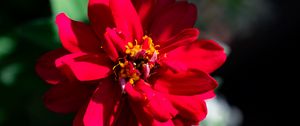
pixel 259 74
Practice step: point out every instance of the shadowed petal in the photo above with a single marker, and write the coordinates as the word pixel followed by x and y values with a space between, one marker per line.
pixel 185 37
pixel 184 83
pixel 126 116
pixel 100 16
pixel 145 11
pixel 179 16
pixel 78 120
pixel 180 121
pixel 162 5
pixel 76 36
pixel 126 19
pixel 190 107
pixel 67 97
pixel 204 55
pixel 46 69
pixel 101 106
pixel 152 102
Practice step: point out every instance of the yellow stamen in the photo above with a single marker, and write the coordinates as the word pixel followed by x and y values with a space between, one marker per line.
pixel 130 45
pixel 132 49
pixel 131 81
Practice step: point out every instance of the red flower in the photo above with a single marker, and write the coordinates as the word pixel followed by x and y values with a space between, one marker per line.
pixel 139 62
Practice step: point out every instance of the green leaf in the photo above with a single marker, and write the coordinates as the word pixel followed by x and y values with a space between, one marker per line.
pixel 8 75
pixel 7 46
pixel 76 9
pixel 41 32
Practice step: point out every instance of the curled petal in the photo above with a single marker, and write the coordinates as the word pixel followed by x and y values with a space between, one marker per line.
pixel 185 37
pixel 203 55
pixel 46 69
pixel 110 48
pixel 177 17
pixel 192 108
pixel 180 121
pixel 190 82
pixel 76 36
pixel 208 95
pixel 116 38
pixel 153 103
pixel 85 67
pixel 126 19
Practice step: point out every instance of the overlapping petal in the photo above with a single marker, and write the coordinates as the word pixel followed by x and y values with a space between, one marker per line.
pixel 179 16
pixel 126 19
pixel 185 37
pixel 191 82
pixel 124 115
pixel 46 68
pixel 180 121
pixel 153 103
pixel 101 106
pixel 67 97
pixel 76 36
pixel 86 67
pixel 145 11
pixel 204 55
pixel 192 108
pixel 100 16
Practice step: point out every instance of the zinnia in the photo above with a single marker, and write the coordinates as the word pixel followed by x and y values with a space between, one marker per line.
pixel 138 62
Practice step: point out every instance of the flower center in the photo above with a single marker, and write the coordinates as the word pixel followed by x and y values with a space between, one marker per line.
pixel 139 61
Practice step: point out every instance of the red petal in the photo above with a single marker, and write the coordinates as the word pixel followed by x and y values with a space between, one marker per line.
pixel 126 116
pixel 114 43
pixel 167 123
pixel 204 55
pixel 76 36
pixel 144 9
pixel 180 121
pixel 126 19
pixel 153 103
pixel 109 48
pixel 190 107
pixel 101 106
pixel 67 97
pixel 46 69
pixel 208 95
pixel 179 16
pixel 144 119
pixel 184 83
pixel 162 5
pixel 100 16
pixel 86 67
pixel 117 39
pixel 185 37
pixel 78 120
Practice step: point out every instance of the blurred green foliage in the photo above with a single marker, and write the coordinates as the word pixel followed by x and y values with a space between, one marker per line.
pixel 76 9
pixel 27 32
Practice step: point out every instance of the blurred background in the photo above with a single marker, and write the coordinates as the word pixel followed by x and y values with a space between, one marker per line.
pixel 259 37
